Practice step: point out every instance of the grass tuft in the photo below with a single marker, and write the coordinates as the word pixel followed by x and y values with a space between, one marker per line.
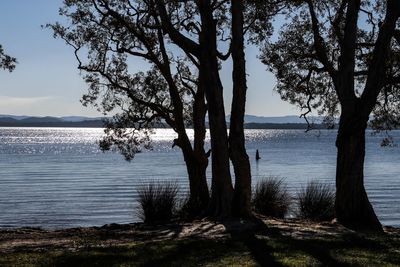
pixel 157 201
pixel 316 202
pixel 271 198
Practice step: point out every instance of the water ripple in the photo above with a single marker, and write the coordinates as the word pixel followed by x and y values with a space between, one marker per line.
pixel 58 177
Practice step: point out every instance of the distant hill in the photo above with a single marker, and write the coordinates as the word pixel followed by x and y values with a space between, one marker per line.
pixel 251 122
pixel 25 121
pixel 50 118
pixel 277 119
pixel 79 118
pixel 13 117
pixel 40 120
pixel 282 119
pixel 301 126
pixel 8 120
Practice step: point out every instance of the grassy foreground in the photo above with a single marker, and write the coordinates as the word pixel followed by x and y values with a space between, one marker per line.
pixel 277 243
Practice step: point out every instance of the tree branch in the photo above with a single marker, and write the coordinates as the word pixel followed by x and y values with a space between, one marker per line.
pixel 319 43
pixel 377 68
pixel 188 45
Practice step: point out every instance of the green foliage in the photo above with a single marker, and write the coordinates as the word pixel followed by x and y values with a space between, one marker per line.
pixel 130 68
pixel 157 201
pixel 271 198
pixel 6 62
pixel 316 202
pixel 306 59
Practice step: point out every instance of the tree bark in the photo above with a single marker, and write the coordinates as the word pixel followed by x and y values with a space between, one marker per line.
pixel 201 197
pixel 240 160
pixel 352 206
pixel 221 186
pixel 196 166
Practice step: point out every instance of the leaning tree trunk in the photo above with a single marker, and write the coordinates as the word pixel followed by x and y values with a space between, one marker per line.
pixel 352 206
pixel 240 159
pixel 195 159
pixel 221 185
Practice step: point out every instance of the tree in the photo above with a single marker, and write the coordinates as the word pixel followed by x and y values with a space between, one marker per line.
pixel 213 23
pixel 237 149
pixel 180 41
pixel 6 62
pixel 207 53
pixel 109 35
pixel 246 17
pixel 340 53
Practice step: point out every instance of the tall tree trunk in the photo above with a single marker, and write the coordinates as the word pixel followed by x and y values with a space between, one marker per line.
pixel 221 186
pixel 352 206
pixel 199 201
pixel 240 160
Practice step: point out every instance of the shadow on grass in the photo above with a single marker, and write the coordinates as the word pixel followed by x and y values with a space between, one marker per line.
pixel 269 247
pixel 259 245
pixel 260 251
pixel 193 252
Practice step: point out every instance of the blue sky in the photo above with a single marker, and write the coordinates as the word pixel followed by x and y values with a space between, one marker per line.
pixel 47 82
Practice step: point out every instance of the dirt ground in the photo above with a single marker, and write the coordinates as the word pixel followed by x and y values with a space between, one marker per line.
pixel 34 239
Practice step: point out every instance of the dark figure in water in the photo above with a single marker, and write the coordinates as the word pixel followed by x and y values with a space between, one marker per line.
pixel 257 155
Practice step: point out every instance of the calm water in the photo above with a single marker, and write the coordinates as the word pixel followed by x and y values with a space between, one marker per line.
pixel 57 177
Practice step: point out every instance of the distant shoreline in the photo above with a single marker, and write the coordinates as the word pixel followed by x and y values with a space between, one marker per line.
pixel 61 124
pixel 100 124
pixel 251 122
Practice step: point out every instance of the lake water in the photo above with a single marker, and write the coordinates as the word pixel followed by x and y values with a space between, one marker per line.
pixel 57 177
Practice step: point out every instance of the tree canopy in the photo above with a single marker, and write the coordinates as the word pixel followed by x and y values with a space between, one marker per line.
pixel 341 57
pixel 6 62
pixel 311 47
pixel 109 39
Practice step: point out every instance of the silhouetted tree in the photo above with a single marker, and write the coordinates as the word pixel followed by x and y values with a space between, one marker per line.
pixel 180 41
pixel 108 37
pixel 240 159
pixel 341 56
pixel 207 53
pixel 214 23
pixel 6 62
pixel 246 17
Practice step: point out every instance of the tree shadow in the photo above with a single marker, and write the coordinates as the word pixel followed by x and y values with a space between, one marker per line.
pixel 260 250
pixel 190 252
pixel 256 241
pixel 263 241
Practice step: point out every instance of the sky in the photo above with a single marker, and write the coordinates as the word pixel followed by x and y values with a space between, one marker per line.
pixel 46 81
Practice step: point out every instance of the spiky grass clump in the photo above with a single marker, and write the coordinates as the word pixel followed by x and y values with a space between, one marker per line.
pixel 157 201
pixel 316 202
pixel 271 198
